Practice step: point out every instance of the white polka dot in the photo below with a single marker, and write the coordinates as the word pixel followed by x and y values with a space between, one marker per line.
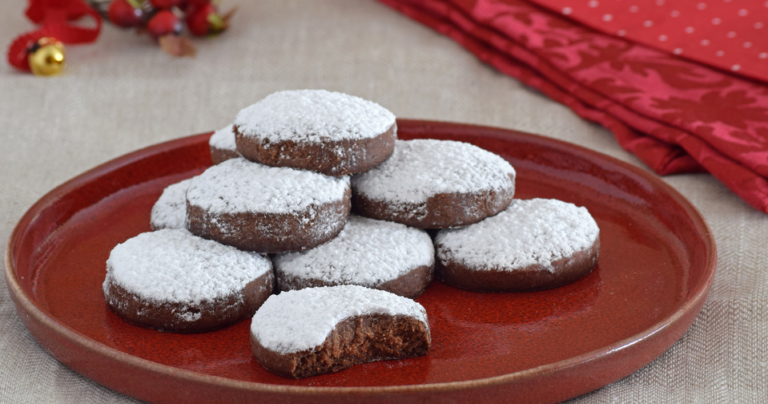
pixel 704 42
pixel 648 23
pixel 675 13
pixel 677 51
pixel 701 6
pixel 758 25
pixel 659 2
pixel 763 55
pixel 633 9
pixel 594 3
pixel 747 44
pixel 689 30
pixel 567 10
pixel 621 32
pixel 735 67
pixel 716 21
pixel 731 34
pixel 743 12
pixel 607 17
pixel 662 38
pixel 720 53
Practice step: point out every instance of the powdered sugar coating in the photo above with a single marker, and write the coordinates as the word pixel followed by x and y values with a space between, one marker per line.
pixel 366 252
pixel 170 210
pixel 238 186
pixel 528 232
pixel 421 168
pixel 314 116
pixel 299 320
pixel 172 265
pixel 224 139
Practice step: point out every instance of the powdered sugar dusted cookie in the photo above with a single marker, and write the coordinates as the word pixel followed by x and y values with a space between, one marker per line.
pixel 266 209
pixel 328 132
pixel 222 145
pixel 533 244
pixel 170 280
pixel 371 253
pixel 321 330
pixel 170 210
pixel 435 184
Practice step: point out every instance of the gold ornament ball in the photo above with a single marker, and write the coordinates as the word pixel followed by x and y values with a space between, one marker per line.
pixel 48 59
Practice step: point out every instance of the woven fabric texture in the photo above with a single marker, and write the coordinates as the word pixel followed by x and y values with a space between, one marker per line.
pixel 121 94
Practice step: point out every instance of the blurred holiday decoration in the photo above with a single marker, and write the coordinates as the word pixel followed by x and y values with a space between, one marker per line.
pixel 46 57
pixel 163 20
pixel 42 52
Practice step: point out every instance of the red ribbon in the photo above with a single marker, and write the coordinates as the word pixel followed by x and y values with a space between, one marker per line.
pixel 54 18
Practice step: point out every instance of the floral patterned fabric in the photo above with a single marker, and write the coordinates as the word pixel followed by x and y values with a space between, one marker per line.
pixel 675 115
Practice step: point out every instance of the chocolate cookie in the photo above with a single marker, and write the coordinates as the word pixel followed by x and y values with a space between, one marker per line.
pixel 371 253
pixel 532 245
pixel 322 330
pixel 332 133
pixel 266 209
pixel 170 280
pixel 222 145
pixel 435 184
pixel 170 210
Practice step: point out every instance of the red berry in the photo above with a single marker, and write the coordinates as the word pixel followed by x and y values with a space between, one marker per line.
pixel 164 4
pixel 164 23
pixel 189 5
pixel 196 3
pixel 123 14
pixel 205 20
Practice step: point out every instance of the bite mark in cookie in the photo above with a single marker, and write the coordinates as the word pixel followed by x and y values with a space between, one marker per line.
pixel 321 330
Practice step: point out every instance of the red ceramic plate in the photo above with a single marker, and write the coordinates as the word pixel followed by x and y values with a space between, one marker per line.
pixel 656 266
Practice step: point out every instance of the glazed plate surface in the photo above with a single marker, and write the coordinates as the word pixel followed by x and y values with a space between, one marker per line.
pixel 656 265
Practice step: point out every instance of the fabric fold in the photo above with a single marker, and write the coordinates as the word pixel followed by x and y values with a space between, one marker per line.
pixel 675 115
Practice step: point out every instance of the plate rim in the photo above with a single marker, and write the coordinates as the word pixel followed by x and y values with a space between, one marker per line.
pixel 25 302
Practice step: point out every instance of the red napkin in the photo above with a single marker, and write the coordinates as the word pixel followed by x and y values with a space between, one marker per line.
pixel 727 34
pixel 675 115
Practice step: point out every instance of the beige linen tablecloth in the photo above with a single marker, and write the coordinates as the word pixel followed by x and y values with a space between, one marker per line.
pixel 122 94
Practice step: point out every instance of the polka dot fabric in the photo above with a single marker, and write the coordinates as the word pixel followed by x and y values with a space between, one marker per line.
pixel 728 34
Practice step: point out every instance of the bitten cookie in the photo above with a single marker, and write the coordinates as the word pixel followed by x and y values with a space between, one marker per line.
pixel 322 330
pixel 170 280
pixel 532 245
pixel 222 145
pixel 332 133
pixel 170 210
pixel 371 253
pixel 266 209
pixel 435 184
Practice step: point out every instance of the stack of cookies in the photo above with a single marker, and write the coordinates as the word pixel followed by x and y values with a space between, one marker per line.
pixel 313 195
